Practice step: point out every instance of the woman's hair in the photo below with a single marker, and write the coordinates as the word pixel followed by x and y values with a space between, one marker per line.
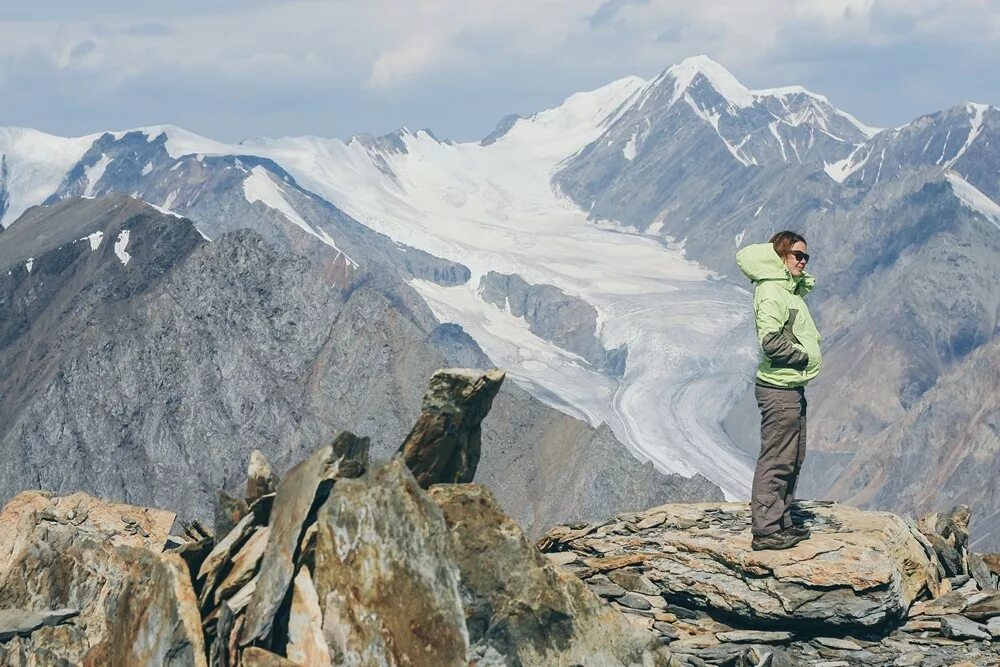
pixel 783 242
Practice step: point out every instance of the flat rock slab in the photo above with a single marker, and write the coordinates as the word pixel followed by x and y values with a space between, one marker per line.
pixel 859 569
pixel 21 622
pixel 102 520
pixel 959 627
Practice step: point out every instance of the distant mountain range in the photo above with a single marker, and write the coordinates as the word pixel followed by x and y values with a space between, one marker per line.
pixel 589 249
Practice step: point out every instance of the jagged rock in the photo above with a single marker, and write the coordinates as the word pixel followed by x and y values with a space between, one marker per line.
pixel 306 644
pixel 386 574
pixel 519 605
pixel 982 609
pixel 950 558
pixel 444 444
pixel 214 566
pixel 858 568
pixel 954 526
pixel 260 478
pixel 155 619
pixel 299 493
pixel 243 565
pixel 21 622
pixel 959 627
pixel 228 512
pixel 980 572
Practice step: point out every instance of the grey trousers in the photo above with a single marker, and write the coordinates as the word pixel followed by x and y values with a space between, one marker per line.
pixel 782 449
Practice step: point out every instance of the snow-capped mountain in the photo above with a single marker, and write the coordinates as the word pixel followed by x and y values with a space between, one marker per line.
pixel 584 247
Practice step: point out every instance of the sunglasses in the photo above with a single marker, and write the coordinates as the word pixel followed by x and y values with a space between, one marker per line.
pixel 800 256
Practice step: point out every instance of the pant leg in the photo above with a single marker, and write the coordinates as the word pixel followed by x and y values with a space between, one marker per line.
pixel 786 519
pixel 780 422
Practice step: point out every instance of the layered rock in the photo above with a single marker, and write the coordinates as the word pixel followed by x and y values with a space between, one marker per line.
pixel 859 569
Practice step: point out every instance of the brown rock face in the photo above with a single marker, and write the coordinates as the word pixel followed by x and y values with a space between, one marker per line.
pixel 522 607
pixel 156 619
pixel 78 552
pixel 386 575
pixel 858 568
pixel 444 445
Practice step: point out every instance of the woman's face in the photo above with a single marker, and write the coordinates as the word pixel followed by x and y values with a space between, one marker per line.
pixel 796 265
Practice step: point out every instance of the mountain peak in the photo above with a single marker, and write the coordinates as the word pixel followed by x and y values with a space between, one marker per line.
pixel 686 72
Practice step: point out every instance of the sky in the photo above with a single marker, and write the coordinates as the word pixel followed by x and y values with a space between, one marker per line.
pixel 233 69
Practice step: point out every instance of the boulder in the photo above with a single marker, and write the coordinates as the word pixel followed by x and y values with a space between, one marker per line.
pixel 386 576
pixel 76 552
pixel 444 444
pixel 859 569
pixel 522 608
pixel 261 480
pixel 155 620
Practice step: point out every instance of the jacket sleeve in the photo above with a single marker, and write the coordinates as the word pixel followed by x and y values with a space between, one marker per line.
pixel 776 338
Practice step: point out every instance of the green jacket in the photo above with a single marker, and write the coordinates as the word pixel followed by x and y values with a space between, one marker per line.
pixel 787 333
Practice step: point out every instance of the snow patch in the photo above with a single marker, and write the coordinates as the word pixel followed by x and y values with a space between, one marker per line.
pixel 30 263
pixel 973 198
pixel 95 239
pixel 120 243
pixel 258 186
pixel 93 174
pixel 975 126
pixel 148 168
pixel 629 151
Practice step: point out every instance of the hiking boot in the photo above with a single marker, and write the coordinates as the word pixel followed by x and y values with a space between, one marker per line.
pixel 799 531
pixel 782 539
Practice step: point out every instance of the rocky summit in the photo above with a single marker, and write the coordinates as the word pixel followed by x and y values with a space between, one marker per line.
pixel 346 561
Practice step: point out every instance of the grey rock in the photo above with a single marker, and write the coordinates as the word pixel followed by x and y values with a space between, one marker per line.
pixel 444 445
pixel 608 590
pixel 14 622
pixel 634 601
pixel 993 626
pixel 837 643
pixel 959 627
pixel 755 636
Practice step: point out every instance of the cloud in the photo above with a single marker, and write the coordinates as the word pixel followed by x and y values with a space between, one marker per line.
pixel 253 67
pixel 151 29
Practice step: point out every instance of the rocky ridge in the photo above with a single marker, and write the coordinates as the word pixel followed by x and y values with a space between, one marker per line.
pixel 347 561
pixel 867 588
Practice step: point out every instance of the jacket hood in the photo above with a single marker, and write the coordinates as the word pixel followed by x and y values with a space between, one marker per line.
pixel 759 262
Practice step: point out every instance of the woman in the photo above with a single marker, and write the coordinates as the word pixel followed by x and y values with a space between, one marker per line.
pixel 790 342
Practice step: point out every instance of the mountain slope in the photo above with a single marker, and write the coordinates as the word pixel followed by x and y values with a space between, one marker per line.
pixel 141 362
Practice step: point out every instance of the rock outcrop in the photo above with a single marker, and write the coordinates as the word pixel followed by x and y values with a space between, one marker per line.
pixel 867 587
pixel 338 565
pixel 445 443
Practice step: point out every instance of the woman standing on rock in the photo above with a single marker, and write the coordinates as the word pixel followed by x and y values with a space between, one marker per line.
pixel 790 342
